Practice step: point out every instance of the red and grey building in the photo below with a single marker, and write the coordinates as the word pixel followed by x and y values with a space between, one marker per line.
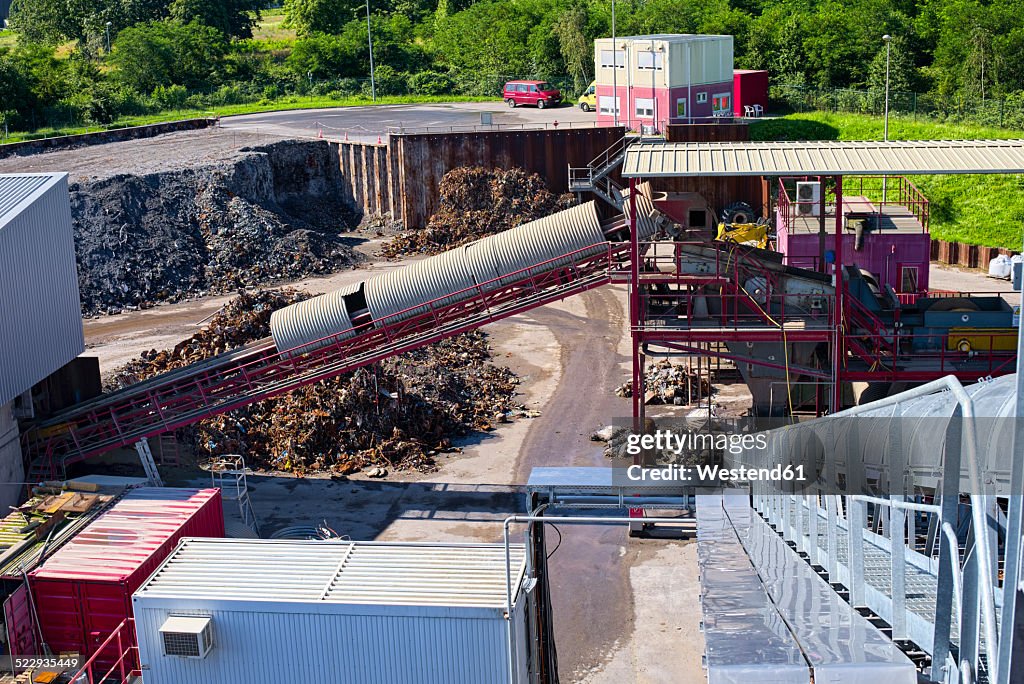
pixel 663 79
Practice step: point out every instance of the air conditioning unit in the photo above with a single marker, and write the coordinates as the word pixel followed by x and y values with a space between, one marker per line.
pixel 808 199
pixel 187 636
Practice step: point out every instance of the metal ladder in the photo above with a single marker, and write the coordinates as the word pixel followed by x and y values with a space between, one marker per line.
pixel 228 473
pixel 148 464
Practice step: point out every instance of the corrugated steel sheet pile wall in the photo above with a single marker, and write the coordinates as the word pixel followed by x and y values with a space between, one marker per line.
pixel 84 590
pixel 37 274
pixel 402 177
pixel 376 612
pixel 718 191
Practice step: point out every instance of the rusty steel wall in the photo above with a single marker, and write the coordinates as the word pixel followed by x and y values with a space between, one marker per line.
pixel 422 160
pixel 366 176
pixel 719 191
pixel 402 177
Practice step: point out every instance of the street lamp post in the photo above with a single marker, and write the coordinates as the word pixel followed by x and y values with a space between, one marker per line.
pixel 369 40
pixel 615 74
pixel 887 39
pixel 109 24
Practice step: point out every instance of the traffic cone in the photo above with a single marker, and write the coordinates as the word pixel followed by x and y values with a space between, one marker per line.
pixel 378 140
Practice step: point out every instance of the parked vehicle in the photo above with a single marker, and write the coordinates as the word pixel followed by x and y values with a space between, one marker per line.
pixel 588 100
pixel 538 93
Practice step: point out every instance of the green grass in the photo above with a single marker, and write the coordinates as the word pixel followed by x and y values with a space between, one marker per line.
pixel 8 39
pixel 982 210
pixel 271 27
pixel 280 104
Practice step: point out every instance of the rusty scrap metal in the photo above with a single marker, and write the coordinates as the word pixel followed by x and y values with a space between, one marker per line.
pixel 476 202
pixel 402 412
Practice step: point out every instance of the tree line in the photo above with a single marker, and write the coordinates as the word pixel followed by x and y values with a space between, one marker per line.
pixel 96 60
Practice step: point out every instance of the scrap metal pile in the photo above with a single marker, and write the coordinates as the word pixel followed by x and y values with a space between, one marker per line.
pixel 399 413
pixel 269 214
pixel 669 383
pixel 476 202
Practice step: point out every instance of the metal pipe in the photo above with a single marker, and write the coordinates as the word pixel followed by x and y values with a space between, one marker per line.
pixel 907 505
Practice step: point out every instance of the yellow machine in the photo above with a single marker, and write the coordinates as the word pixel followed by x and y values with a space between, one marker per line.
pixel 751 234
pixel 981 339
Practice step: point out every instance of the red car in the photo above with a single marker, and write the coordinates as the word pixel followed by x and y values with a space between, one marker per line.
pixel 537 93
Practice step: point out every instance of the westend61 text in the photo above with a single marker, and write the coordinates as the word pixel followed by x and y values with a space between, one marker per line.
pixel 715 473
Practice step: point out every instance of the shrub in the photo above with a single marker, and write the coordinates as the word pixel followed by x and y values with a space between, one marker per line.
pixel 431 83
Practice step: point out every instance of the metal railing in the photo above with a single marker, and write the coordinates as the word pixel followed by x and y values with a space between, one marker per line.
pixel 119 649
pixel 951 603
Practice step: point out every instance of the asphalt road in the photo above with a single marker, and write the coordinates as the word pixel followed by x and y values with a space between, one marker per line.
pixel 366 123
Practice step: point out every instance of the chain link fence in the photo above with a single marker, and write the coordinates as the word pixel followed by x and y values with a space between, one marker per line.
pixel 1001 113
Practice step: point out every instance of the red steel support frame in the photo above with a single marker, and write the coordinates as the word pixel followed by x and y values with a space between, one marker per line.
pixel 634 315
pixel 838 347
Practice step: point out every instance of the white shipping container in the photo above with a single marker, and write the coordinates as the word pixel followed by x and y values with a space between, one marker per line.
pixel 328 611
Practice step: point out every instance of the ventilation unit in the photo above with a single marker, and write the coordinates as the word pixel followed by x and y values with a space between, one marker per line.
pixel 808 198
pixel 187 637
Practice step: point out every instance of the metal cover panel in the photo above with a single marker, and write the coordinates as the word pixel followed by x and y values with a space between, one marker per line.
pixel 37 273
pixel 440 279
pixel 823 158
pixel 516 250
pixel 841 646
pixel 299 325
pixel 363 573
pixel 746 639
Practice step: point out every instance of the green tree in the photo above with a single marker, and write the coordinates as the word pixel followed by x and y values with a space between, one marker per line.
pixel 233 18
pixel 163 53
pixel 902 72
pixel 577 49
pixel 319 16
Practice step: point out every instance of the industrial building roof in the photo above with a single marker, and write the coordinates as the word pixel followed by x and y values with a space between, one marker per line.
pixel 374 573
pixel 16 189
pixel 672 37
pixel 829 158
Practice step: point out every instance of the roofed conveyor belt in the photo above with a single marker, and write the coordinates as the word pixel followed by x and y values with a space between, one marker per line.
pixel 567 253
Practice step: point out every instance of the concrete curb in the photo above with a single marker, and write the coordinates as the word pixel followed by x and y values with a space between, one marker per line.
pixel 28 147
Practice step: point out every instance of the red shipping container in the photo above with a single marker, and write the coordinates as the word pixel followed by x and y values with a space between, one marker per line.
pixel 84 590
pixel 749 88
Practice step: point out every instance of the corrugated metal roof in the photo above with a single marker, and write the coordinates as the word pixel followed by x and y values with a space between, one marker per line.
pixel 16 189
pixel 373 573
pixel 125 537
pixel 673 37
pixel 646 160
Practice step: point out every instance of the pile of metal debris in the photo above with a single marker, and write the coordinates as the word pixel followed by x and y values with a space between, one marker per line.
pixel 476 202
pixel 670 383
pixel 400 413
pixel 243 319
pixel 265 215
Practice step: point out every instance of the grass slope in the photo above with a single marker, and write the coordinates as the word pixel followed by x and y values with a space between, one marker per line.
pixel 983 210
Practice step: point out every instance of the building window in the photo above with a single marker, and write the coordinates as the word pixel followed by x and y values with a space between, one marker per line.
pixel 908 279
pixel 721 104
pixel 647 59
pixel 645 106
pixel 702 98
pixel 606 104
pixel 610 58
pixel 681 108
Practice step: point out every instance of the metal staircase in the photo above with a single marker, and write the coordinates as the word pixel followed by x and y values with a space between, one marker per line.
pixel 596 176
pixel 258 371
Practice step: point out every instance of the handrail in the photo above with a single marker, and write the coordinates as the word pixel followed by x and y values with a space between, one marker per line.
pixel 131 670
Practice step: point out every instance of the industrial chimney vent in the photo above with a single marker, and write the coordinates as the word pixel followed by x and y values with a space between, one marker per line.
pixel 187 637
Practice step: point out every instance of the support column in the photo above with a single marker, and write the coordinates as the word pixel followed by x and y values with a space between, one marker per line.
pixel 838 349
pixel 634 313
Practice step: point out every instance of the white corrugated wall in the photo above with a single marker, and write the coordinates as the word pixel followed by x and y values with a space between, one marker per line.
pixel 394 646
pixel 42 320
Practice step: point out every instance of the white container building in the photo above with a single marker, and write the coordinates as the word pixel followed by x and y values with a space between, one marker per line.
pixel 238 610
